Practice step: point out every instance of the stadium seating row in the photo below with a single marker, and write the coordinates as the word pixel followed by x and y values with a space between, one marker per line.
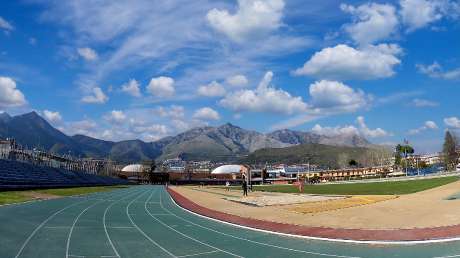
pixel 19 175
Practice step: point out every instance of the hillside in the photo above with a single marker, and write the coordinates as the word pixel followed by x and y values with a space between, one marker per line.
pixel 326 156
pixel 223 143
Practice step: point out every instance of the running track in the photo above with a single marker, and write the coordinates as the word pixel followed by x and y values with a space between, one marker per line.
pixel 143 221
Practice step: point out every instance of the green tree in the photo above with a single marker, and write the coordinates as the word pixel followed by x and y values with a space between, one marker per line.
pixel 449 151
pixel 402 151
pixel 353 163
pixel 148 171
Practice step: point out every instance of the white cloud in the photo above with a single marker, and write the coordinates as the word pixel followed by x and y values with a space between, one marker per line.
pixel 84 127
pixel 328 98
pixel 87 53
pixel 362 130
pixel 237 80
pixel 4 24
pixel 419 13
pixel 173 112
pixel 265 98
pixel 424 103
pixel 333 96
pixel 206 113
pixel 335 131
pixel 152 132
pixel 53 117
pixel 452 122
pixel 98 97
pixel 435 70
pixel 132 88
pixel 10 96
pixel 372 133
pixel 372 22
pixel 161 86
pixel 252 18
pixel 115 117
pixel 428 125
pixel 214 89
pixel 343 62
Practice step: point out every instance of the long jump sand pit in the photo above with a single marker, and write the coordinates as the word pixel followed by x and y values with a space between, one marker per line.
pixel 426 209
pixel 274 199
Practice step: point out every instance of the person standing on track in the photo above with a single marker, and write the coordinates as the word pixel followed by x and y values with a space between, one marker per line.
pixel 245 187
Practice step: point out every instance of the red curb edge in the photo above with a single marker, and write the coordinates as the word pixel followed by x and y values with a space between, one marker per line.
pixel 417 234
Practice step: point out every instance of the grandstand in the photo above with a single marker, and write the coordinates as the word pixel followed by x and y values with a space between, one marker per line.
pixel 28 169
pixel 19 175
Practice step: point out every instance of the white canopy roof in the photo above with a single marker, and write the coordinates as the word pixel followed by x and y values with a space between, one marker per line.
pixel 133 168
pixel 228 169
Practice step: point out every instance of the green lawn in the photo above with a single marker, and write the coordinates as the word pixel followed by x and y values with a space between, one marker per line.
pixel 22 196
pixel 383 188
pixel 78 190
pixel 13 197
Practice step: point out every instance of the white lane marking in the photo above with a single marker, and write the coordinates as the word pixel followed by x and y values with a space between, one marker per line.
pixel 450 256
pixel 190 255
pixel 141 231
pixel 42 224
pixel 46 221
pixel 182 234
pixel 105 224
pixel 73 226
pixel 244 239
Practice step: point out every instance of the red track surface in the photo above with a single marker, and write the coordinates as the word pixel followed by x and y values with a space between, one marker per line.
pixel 416 234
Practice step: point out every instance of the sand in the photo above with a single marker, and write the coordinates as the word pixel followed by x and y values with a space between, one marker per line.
pixel 424 209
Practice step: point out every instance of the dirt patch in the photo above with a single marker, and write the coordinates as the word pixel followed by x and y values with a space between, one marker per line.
pixel 40 196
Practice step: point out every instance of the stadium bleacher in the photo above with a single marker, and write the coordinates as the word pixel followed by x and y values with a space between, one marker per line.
pixel 20 175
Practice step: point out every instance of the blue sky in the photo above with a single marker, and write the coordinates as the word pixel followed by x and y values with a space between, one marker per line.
pixel 387 70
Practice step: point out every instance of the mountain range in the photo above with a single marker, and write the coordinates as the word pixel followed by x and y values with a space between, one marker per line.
pixel 222 143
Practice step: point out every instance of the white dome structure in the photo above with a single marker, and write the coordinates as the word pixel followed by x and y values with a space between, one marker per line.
pixel 228 169
pixel 133 168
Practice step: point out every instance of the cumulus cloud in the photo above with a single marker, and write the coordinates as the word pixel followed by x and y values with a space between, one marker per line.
pixel 424 103
pixel 214 89
pixel 333 96
pixel 372 22
pixel 97 97
pixel 10 96
pixel 132 88
pixel 53 117
pixel 206 114
pixel 5 25
pixel 343 62
pixel 452 122
pixel 85 127
pixel 419 13
pixel 362 130
pixel 435 70
pixel 161 86
pixel 252 18
pixel 173 112
pixel 372 133
pixel 115 117
pixel 237 80
pixel 335 131
pixel 264 98
pixel 152 132
pixel 428 125
pixel 87 53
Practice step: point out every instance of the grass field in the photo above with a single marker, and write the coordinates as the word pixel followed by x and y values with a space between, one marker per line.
pixel 9 197
pixel 13 197
pixel 382 188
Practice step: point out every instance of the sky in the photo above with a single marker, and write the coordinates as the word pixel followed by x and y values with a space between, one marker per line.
pixel 141 69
